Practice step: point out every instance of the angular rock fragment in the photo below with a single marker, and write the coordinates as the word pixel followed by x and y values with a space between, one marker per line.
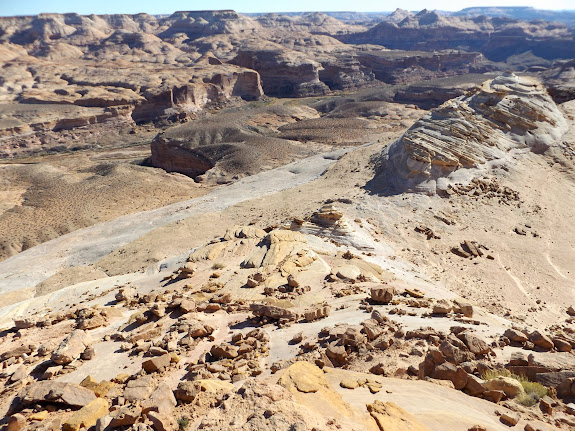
pixel 71 348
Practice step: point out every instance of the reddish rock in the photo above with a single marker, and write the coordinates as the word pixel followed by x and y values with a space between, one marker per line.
pixel 382 295
pixel 516 335
pixel 546 405
pixel 474 386
pixel 224 351
pixel 16 422
pixel 493 395
pixel 432 359
pixel 475 344
pixel 541 340
pixel 448 371
pixel 337 355
pixel 562 345
pixel 510 419
pixel 157 363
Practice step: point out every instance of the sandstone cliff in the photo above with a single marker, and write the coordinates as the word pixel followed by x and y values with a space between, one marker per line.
pixel 496 38
pixel 504 114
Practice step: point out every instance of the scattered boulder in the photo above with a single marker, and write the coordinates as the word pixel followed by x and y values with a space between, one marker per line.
pixel 304 376
pixel 554 379
pixel 139 389
pixel 389 416
pixel 188 306
pixel 448 371
pixel 464 308
pixel 161 401
pixel 274 312
pixel 455 351
pixel 161 422
pixel 17 352
pixel 562 345
pixel 516 335
pixel 188 390
pixel 518 359
pixel 20 373
pixel 493 395
pixel 442 307
pixel 87 416
pixel 382 295
pixel 316 312
pixel 475 344
pixel 474 386
pixel 71 347
pixel 510 386
pixel 433 358
pixel 125 415
pixel 546 405
pixel 100 389
pixel 371 329
pixel 224 351
pixel 126 294
pixel 337 355
pixel 349 383
pixel 541 340
pixel 53 392
pixel 157 363
pixel 510 419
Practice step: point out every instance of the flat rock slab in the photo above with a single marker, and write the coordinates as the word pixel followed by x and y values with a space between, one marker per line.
pixel 53 392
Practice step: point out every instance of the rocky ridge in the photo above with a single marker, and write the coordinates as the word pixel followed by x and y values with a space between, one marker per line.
pixel 304 296
pixel 505 114
pixel 497 38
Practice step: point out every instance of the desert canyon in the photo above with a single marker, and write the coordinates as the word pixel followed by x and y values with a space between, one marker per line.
pixel 303 221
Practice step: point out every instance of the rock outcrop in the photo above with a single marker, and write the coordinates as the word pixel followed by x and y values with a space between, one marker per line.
pixel 235 143
pixel 503 114
pixel 284 73
pixel 71 347
pixel 496 38
pixel 560 81
pixel 67 394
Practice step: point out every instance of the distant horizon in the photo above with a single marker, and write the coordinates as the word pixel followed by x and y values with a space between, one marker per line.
pixel 167 7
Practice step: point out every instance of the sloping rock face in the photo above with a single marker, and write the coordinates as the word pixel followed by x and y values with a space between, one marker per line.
pixel 502 114
pixel 496 38
pixel 284 73
pixel 560 81
pixel 398 67
pixel 234 143
pixel 196 24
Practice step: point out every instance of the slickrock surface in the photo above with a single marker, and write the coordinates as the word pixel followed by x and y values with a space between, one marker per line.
pixel 207 223
pixel 503 115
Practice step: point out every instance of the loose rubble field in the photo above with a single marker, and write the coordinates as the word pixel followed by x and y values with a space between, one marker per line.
pixel 306 234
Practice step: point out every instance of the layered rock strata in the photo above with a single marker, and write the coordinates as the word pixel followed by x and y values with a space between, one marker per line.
pixel 501 115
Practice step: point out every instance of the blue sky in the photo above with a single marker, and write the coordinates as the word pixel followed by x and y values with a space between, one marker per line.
pixel 32 7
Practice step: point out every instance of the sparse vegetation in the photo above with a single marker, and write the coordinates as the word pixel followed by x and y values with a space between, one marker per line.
pixel 533 391
pixel 348 255
pixel 183 422
pixel 218 265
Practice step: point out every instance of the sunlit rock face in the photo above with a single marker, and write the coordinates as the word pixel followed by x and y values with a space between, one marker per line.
pixel 501 115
